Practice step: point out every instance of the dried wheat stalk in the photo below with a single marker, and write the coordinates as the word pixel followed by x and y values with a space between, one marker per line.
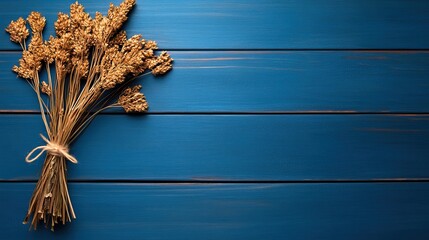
pixel 93 62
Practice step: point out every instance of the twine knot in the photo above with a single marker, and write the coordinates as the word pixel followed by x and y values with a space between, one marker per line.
pixel 52 148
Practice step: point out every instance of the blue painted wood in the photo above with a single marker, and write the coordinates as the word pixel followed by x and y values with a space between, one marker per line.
pixel 270 81
pixel 231 147
pixel 232 24
pixel 245 146
pixel 231 211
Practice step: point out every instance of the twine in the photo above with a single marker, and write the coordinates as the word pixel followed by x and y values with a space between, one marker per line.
pixel 52 148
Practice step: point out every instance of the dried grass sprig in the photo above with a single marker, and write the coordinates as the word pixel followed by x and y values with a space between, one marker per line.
pixel 93 60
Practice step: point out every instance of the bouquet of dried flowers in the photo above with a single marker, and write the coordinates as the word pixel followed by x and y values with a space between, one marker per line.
pixel 89 65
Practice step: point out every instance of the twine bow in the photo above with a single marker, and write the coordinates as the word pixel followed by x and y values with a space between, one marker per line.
pixel 52 148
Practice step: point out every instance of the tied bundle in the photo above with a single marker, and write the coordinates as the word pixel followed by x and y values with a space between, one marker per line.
pixel 89 65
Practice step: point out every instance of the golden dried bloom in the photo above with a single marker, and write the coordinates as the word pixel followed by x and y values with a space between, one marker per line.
pixel 99 24
pixel 18 30
pixel 118 15
pixel 119 39
pixel 105 26
pixel 109 55
pixel 37 48
pixel 133 44
pixel 161 64
pixel 62 47
pixel 115 76
pixel 78 47
pixel 37 22
pixel 132 100
pixel 77 13
pixel 81 23
pixel 62 25
pixel 23 72
pixel 118 64
pixel 35 43
pixel 49 55
pixel 62 56
pixel 45 88
pixel 66 42
pixel 28 64
pixel 151 45
pixel 148 53
pixel 161 69
pixel 82 67
pixel 55 47
pixel 113 71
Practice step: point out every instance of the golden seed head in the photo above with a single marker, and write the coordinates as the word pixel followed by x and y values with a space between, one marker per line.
pixel 18 30
pixel 23 72
pixel 81 22
pixel 28 65
pixel 37 48
pixel 161 64
pixel 37 22
pixel 62 25
pixel 119 39
pixel 151 45
pixel 118 15
pixel 132 100
pixel 35 43
pixel 76 11
pixel 45 88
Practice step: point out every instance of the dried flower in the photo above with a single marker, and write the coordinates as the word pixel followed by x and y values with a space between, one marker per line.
pixel 132 100
pixel 124 62
pixel 118 15
pixel 28 65
pixel 49 54
pixel 161 64
pixel 92 59
pixel 119 39
pixel 151 45
pixel 37 22
pixel 62 25
pixel 18 30
pixel 45 88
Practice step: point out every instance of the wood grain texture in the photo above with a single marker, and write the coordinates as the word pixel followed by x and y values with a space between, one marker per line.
pixel 260 81
pixel 246 111
pixel 231 211
pixel 231 147
pixel 244 24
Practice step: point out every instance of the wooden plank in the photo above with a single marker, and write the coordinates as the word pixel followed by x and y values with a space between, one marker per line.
pixel 270 81
pixel 243 24
pixel 231 147
pixel 231 211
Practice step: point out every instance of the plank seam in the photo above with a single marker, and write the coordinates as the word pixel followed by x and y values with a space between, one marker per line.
pixel 328 181
pixel 273 49
pixel 31 112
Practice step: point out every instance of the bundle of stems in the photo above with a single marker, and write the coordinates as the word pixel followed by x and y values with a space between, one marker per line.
pixel 88 66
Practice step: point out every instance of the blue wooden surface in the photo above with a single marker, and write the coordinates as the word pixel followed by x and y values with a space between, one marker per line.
pixel 232 147
pixel 371 211
pixel 281 120
pixel 273 24
pixel 240 81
